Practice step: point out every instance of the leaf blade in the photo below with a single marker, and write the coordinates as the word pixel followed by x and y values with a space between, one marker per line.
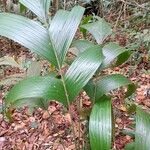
pixel 40 8
pixel 111 51
pixel 82 69
pixel 142 136
pixel 106 84
pixel 63 28
pixel 46 87
pixel 100 125
pixel 99 29
pixel 27 33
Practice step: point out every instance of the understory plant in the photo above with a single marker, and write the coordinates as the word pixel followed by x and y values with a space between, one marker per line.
pixel 51 39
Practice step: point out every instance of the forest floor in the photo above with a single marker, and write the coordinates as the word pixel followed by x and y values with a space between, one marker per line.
pixel 50 130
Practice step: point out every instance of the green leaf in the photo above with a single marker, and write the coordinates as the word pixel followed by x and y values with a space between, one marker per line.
pixel 123 57
pixel 12 79
pixel 82 45
pixel 100 125
pixel 28 33
pixel 142 137
pixel 47 87
pixel 39 7
pixel 22 8
pixel 82 70
pixel 62 30
pixel 112 51
pixel 85 20
pixel 103 86
pixel 130 146
pixel 99 29
pixel 32 103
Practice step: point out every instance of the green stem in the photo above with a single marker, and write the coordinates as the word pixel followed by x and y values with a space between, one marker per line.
pixel 66 92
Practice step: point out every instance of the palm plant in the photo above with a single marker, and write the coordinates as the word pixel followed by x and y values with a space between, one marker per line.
pixel 51 39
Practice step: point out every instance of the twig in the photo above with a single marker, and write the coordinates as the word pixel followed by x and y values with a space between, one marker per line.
pixel 134 4
pixel 120 13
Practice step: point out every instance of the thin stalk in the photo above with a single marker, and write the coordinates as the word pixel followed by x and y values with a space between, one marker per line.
pixel 71 115
pixel 66 93
pixel 80 107
pixel 120 13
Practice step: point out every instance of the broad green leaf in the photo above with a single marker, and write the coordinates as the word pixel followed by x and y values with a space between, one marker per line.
pixel 100 124
pixel 99 29
pixel 46 6
pixel 82 45
pixel 130 146
pixel 85 20
pixel 7 60
pixel 104 85
pixel 32 103
pixel 39 7
pixel 22 8
pixel 62 30
pixel 28 33
pixel 123 57
pixel 82 69
pixel 112 51
pixel 47 87
pixel 142 137
pixel 12 79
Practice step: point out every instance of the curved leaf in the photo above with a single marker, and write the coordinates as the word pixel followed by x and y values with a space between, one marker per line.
pixel 39 7
pixel 142 136
pixel 63 28
pixel 106 84
pixel 82 45
pixel 28 33
pixel 100 125
pixel 130 146
pixel 112 51
pixel 48 88
pixel 82 69
pixel 99 29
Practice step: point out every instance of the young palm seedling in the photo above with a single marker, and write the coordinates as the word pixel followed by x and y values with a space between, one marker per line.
pixel 51 39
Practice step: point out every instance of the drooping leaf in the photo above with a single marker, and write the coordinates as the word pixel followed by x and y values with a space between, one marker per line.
pixel 97 89
pixel 39 7
pixel 142 137
pixel 62 30
pixel 123 57
pixel 100 125
pixel 7 60
pixel 12 79
pixel 28 33
pixel 47 87
pixel 82 45
pixel 82 69
pixel 99 29
pixel 130 146
pixel 22 8
pixel 85 20
pixel 46 6
pixel 32 103
pixel 112 51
